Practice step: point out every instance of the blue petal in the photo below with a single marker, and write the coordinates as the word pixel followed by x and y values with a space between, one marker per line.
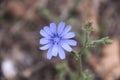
pixel 44 41
pixel 66 46
pixel 53 28
pixel 48 31
pixel 43 33
pixel 61 53
pixel 45 47
pixel 72 42
pixel 69 35
pixel 66 30
pixel 60 27
pixel 49 54
pixel 55 50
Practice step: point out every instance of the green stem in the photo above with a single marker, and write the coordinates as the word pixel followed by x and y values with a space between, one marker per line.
pixel 80 76
pixel 80 68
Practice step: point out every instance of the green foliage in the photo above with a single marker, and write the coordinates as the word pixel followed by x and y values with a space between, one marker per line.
pixel 87 27
pixel 87 76
pixel 64 70
pixel 82 74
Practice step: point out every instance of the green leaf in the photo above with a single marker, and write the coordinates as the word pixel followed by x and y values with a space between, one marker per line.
pixel 87 26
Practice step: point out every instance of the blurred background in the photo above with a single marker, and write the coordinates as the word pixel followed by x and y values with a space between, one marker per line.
pixel 21 21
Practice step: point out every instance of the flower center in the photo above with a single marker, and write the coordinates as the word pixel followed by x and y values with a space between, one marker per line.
pixel 56 39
